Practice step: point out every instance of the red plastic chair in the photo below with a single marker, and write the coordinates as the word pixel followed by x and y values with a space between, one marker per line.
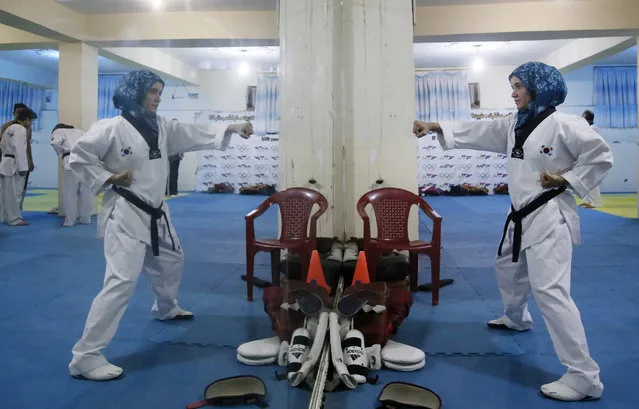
pixel 392 207
pixel 295 206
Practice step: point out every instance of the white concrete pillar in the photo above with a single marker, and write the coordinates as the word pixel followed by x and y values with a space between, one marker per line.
pixel 77 92
pixel 379 105
pixel 310 132
pixel 347 95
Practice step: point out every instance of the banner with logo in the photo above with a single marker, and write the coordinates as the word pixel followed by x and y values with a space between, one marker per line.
pixel 444 169
pixel 244 162
pixel 255 160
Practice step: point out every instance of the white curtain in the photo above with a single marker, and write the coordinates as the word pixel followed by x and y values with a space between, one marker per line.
pixel 442 96
pixel 267 111
pixel 106 88
pixel 14 92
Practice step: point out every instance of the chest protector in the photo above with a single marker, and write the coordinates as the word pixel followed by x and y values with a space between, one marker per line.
pixel 379 324
pixel 286 320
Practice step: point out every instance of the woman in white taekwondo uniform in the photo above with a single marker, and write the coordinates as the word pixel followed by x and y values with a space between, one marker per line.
pixel 78 199
pixel 129 154
pixel 548 152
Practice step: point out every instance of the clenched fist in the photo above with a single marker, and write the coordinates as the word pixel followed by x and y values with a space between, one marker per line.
pixel 549 180
pixel 124 179
pixel 245 130
pixel 422 128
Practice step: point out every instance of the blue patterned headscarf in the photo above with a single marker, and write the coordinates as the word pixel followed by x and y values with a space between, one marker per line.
pixel 129 95
pixel 546 86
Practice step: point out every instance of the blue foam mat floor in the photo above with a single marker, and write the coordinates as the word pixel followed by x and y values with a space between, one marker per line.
pixel 49 276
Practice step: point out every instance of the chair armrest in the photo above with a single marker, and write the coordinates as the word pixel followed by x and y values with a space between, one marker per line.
pixel 263 207
pixel 430 212
pixel 323 206
pixel 366 220
pixel 252 215
pixel 437 221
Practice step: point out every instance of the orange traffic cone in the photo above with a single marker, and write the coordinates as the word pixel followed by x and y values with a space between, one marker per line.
pixel 361 270
pixel 315 272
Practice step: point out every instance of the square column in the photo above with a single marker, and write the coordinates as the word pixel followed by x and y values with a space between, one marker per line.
pixel 310 143
pixel 77 94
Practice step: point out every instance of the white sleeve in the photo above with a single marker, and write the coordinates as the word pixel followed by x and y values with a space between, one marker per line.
pixel 57 141
pixel 88 153
pixel 593 156
pixel 188 137
pixel 489 136
pixel 20 143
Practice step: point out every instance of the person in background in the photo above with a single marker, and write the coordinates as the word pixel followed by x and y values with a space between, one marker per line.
pixel 14 167
pixel 77 198
pixel 548 152
pixel 174 167
pixel 16 110
pixel 593 199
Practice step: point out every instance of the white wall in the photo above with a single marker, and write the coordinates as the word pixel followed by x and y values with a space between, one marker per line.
pixel 222 91
pixel 494 87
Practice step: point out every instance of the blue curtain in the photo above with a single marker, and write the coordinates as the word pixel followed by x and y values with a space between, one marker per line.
pixel 106 88
pixel 615 97
pixel 13 92
pixel 442 96
pixel 267 111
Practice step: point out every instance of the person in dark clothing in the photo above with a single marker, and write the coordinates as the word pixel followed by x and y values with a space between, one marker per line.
pixel 174 166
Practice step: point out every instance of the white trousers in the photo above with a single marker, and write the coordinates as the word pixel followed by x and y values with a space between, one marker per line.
pixel 77 198
pixel 544 270
pixel 10 197
pixel 126 257
pixel 594 198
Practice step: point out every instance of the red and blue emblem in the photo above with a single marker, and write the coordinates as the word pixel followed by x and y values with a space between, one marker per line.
pixel 546 150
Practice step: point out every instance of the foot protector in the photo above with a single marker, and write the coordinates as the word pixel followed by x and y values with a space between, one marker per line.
pixel 402 357
pixel 259 352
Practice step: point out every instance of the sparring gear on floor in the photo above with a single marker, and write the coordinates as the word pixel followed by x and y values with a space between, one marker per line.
pixel 355 357
pixel 337 353
pixel 298 351
pixel 260 352
pixel 296 378
pixel 247 390
pixel 407 395
pixel 402 357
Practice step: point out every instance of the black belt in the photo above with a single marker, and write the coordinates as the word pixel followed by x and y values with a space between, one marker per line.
pixel 65 154
pixel 155 213
pixel 8 155
pixel 516 216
